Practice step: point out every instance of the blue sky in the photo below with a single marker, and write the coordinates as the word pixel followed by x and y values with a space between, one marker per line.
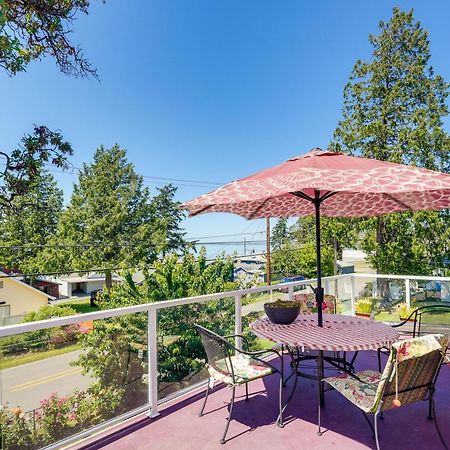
pixel 209 91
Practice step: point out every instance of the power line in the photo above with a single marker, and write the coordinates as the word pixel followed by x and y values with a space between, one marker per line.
pixel 225 235
pixel 149 177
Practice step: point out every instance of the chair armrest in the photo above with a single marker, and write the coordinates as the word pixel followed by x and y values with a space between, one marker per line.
pixel 230 336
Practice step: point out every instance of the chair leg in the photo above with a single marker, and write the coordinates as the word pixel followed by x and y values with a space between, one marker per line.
pixel 222 441
pixel 437 425
pixel 375 425
pixel 246 392
pixel 280 402
pixel 204 401
pixel 379 359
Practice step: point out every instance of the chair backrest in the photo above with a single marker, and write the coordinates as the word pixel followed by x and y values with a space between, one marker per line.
pixel 308 304
pixel 432 319
pixel 411 370
pixel 218 350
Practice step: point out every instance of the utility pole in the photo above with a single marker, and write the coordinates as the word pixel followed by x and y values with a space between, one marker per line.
pixel 268 250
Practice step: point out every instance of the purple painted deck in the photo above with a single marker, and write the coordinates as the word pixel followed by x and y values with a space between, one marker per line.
pixel 180 427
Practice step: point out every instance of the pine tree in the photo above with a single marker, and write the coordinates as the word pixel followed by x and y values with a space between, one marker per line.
pixel 393 111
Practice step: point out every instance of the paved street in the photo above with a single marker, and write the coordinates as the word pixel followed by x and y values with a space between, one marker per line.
pixel 28 384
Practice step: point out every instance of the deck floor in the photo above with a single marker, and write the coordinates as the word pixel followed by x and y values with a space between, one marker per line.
pixel 179 426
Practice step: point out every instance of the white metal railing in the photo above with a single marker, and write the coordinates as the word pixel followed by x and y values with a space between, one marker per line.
pixel 153 308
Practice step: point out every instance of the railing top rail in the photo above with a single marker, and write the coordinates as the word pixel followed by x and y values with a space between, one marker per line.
pixel 10 330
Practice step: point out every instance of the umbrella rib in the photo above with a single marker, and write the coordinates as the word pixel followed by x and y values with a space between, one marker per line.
pixel 252 215
pixel 399 202
pixel 201 210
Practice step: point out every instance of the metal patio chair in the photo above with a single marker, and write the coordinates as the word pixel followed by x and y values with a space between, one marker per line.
pixel 422 321
pixel 235 367
pixel 409 376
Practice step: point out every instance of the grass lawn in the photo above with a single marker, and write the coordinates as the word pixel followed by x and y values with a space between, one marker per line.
pixel 17 360
pixel 81 306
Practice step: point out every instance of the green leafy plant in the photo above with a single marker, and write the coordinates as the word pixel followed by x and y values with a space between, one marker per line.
pixel 404 310
pixel 365 305
pixel 283 304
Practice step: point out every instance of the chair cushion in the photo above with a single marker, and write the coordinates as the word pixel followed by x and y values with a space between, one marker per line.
pixel 308 304
pixel 245 369
pixel 413 348
pixel 361 393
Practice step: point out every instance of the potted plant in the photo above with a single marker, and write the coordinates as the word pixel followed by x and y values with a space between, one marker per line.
pixel 282 312
pixel 404 312
pixel 363 307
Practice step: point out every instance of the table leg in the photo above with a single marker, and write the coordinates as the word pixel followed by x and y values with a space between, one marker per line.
pixel 320 376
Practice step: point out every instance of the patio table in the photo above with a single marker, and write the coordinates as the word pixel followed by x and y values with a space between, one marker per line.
pixel 339 333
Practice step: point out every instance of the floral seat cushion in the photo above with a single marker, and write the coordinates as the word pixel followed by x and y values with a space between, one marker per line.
pixel 245 369
pixel 367 393
pixel 361 393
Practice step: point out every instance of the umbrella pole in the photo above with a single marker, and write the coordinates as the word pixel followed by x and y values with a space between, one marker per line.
pixel 319 289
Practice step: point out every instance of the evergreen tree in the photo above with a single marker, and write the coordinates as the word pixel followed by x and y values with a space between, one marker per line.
pixel 26 228
pixel 109 221
pixel 169 214
pixel 393 111
pixel 280 234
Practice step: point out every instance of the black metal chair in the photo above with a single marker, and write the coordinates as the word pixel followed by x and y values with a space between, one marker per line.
pixel 423 320
pixel 235 367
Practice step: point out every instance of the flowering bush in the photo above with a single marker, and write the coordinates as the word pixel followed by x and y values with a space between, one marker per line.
pixel 57 418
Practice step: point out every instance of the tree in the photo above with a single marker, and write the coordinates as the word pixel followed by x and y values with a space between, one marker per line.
pixel 280 234
pixel 294 260
pixel 393 111
pixel 109 221
pixel 168 212
pixel 22 167
pixel 111 350
pixel 25 235
pixel 30 30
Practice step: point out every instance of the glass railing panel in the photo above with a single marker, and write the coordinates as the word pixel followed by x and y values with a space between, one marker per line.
pixel 61 381
pixel 181 357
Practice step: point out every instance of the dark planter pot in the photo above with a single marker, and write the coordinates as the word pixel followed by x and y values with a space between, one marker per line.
pixel 281 315
pixel 363 315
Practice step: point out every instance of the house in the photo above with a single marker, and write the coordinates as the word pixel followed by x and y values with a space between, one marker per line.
pixel 18 298
pixel 250 268
pixel 80 284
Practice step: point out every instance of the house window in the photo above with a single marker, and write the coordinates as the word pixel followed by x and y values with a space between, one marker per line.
pixel 5 310
pixel 1 284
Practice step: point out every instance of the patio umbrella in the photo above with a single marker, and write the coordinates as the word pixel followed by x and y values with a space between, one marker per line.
pixel 329 184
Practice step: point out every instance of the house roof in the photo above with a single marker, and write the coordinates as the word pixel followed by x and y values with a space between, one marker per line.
pixel 27 286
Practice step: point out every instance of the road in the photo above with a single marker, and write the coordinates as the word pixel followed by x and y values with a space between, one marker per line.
pixel 26 385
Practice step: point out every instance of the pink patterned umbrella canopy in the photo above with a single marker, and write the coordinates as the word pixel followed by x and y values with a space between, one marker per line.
pixel 347 186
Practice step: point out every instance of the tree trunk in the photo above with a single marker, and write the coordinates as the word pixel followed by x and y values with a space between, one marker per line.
pixel 108 279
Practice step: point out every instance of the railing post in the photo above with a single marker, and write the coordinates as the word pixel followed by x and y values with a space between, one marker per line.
pixel 407 293
pixel 327 286
pixel 152 363
pixel 352 294
pixel 291 292
pixel 238 320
